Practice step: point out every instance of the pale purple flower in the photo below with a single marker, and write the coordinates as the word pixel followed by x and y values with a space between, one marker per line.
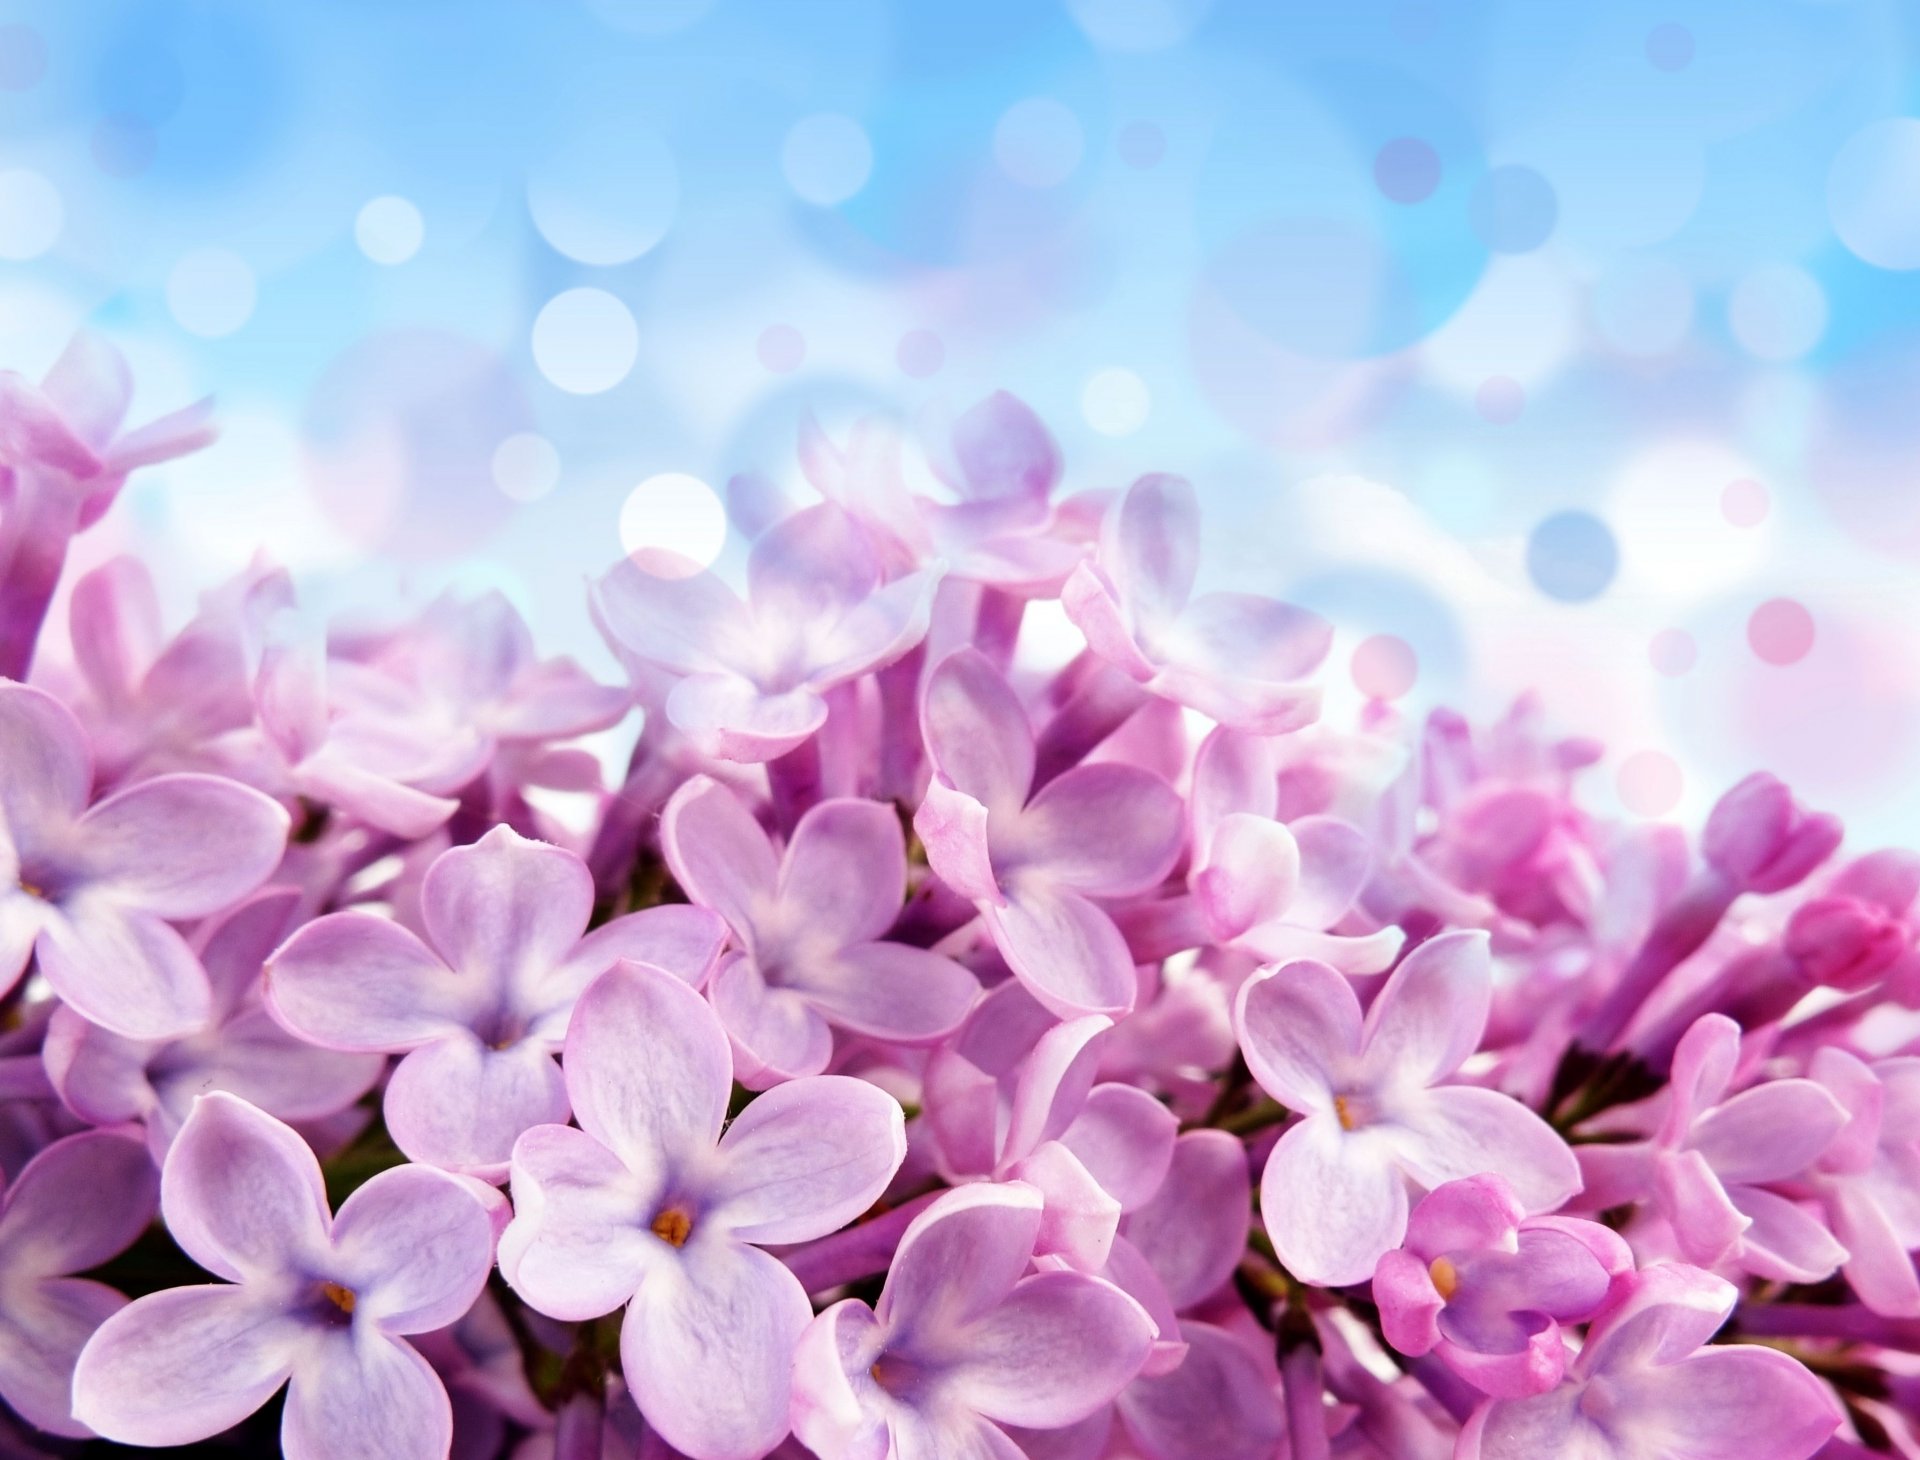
pixel 480 1006
pixel 91 893
pixel 316 1301
pixel 964 1341
pixel 1643 1386
pixel 754 672
pixel 1486 1287
pixel 648 1201
pixel 810 923
pixel 106 1078
pixel 1235 657
pixel 1034 862
pixel 1868 1179
pixel 1012 1098
pixel 79 1202
pixel 1712 1165
pixel 1378 1114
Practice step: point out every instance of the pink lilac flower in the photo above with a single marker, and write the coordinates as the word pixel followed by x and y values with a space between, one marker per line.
pixel 963 1341
pixel 648 1203
pixel 753 673
pixel 1377 1113
pixel 1034 862
pixel 1868 1179
pixel 1487 1288
pixel 1234 657
pixel 319 1302
pixel 811 924
pixel 1644 1385
pixel 82 1200
pixel 480 1006
pixel 90 893
pixel 1715 1165
pixel 106 1078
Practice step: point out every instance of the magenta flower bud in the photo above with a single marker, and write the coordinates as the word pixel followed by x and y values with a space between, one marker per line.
pixel 1844 943
pixel 1760 839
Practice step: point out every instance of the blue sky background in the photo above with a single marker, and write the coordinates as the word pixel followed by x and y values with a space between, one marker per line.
pixel 1553 340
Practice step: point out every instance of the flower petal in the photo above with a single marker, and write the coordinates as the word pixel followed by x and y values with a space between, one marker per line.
pixel 183 1364
pixel 891 991
pixel 952 826
pixel 1726 1404
pixel 1107 829
pixel 844 876
pixel 1770 1132
pixel 1052 1083
pixel 806 1158
pixel 124 970
pixel 577 1246
pixel 1151 547
pixel 1194 1230
pixel 457 1104
pixel 731 718
pixel 80 1201
pixel 1462 1130
pixel 776 1033
pixel 1079 1219
pixel 1251 876
pixel 708 1346
pixel 242 1193
pixel 685 625
pixel 958 1262
pixel 1004 450
pixel 353 980
pixel 1064 949
pixel 1299 1028
pixel 1059 1347
pixel 1335 861
pixel 505 911
pixel 647 1067
pixel 362 1396
pixel 1124 1137
pixel 1246 637
pixel 45 771
pixel 1332 1201
pixel 1218 1405
pixel 1472 1214
pixel 1785 1242
pixel 1432 1012
pixel 182 846
pixel 684 940
pixel 415 1245
pixel 977 733
pixel 718 853
pixel 43 1328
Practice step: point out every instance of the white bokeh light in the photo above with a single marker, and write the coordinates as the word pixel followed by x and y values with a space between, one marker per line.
pixel 389 230
pixel 585 341
pixel 606 198
pixel 1518 322
pixel 211 292
pixel 31 214
pixel 1138 25
pixel 1644 307
pixel 1778 312
pixel 1116 401
pixel 1664 509
pixel 526 466
pixel 1038 142
pixel 826 158
pixel 1873 193
pixel 673 524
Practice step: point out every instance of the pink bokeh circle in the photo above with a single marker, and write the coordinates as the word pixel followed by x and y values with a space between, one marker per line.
pixel 1781 631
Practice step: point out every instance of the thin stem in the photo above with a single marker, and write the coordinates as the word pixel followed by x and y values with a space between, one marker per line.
pixel 1306 1391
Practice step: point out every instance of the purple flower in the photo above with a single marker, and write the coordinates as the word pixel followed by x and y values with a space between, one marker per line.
pixel 1033 863
pixel 753 673
pixel 964 1341
pixel 480 1006
pixel 314 1301
pixel 1710 1167
pixel 810 925
pixel 1377 1115
pixel 1234 657
pixel 1643 1386
pixel 1869 1176
pixel 1486 1287
pixel 105 1078
pixel 90 893
pixel 79 1202
pixel 648 1201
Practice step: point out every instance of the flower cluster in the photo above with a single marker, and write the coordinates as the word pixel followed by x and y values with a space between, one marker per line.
pixel 918 1051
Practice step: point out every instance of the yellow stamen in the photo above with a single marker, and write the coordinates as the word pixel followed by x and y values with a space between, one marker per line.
pixel 30 890
pixel 673 1226
pixel 341 1298
pixel 1446 1277
pixel 1345 1112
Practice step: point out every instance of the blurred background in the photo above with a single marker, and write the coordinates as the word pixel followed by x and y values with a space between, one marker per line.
pixel 1568 347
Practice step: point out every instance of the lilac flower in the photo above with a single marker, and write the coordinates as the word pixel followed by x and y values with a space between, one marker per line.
pixel 318 1302
pixel 1012 1098
pixel 963 1342
pixel 648 1201
pixel 1234 657
pixel 1377 1115
pixel 1487 1287
pixel 481 1006
pixel 79 1202
pixel 90 893
pixel 63 459
pixel 106 1078
pixel 810 924
pixel 1642 1385
pixel 1869 1177
pixel 1033 862
pixel 754 672
pixel 1711 1167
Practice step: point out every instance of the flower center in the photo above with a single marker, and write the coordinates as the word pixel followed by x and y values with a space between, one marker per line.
pixel 30 890
pixel 673 1226
pixel 342 1298
pixel 1446 1277
pixel 898 1375
pixel 1349 1117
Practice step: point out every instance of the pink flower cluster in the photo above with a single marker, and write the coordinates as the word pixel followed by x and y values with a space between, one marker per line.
pixel 917 1054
